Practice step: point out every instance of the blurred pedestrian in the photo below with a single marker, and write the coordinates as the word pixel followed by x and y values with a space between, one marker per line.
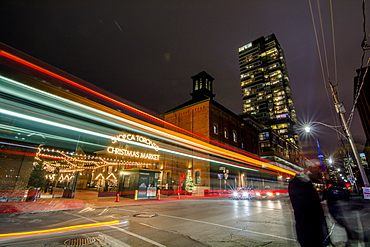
pixel 348 213
pixel 311 226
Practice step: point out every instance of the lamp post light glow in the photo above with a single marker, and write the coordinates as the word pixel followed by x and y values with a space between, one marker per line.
pixel 349 138
pixel 308 128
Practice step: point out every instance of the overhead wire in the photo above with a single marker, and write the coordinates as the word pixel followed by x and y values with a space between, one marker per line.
pixel 317 41
pixel 323 39
pixel 335 120
pixel 360 78
pixel 327 75
pixel 334 46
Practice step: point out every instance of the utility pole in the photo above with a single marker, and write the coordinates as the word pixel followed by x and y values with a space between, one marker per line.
pixel 339 107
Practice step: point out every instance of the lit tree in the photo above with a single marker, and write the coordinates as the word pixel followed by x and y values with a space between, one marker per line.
pixel 188 182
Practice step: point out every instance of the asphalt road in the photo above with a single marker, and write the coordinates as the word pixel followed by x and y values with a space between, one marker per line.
pixel 200 222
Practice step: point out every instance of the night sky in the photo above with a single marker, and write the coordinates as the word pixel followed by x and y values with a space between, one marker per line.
pixel 146 51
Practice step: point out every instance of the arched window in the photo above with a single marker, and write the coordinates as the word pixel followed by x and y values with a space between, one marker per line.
pixel 215 129
pixel 226 134
pixel 235 136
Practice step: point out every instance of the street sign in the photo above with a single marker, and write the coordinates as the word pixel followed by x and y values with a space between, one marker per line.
pixel 220 176
pixel 366 192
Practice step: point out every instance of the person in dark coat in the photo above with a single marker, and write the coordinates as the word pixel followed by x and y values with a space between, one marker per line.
pixel 308 212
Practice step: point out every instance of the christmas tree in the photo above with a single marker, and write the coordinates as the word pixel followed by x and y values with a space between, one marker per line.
pixel 188 182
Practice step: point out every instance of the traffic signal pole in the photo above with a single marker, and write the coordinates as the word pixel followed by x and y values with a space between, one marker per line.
pixel 340 110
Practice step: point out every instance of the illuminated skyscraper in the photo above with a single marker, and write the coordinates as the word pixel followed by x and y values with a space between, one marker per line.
pixel 265 86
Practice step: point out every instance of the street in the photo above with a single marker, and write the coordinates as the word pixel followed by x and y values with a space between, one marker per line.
pixel 200 222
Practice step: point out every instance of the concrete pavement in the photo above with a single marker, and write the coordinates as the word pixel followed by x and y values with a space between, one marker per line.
pixel 353 219
pixel 350 221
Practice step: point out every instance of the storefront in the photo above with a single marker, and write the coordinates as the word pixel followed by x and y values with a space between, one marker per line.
pixel 139 183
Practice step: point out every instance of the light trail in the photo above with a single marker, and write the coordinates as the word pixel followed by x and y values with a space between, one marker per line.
pixel 66 228
pixel 106 136
pixel 219 161
pixel 125 231
pixel 100 112
pixel 40 120
pixel 139 112
pixel 236 154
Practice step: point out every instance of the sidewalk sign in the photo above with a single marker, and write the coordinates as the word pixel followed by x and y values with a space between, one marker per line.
pixel 366 192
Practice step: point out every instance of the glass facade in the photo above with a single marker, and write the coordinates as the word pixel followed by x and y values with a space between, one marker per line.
pixel 265 86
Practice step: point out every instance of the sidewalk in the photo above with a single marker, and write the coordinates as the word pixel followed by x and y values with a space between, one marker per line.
pixel 353 214
pixel 41 205
pixel 47 203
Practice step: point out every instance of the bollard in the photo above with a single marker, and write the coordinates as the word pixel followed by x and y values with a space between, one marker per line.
pixel 159 195
pixel 135 197
pixel 117 197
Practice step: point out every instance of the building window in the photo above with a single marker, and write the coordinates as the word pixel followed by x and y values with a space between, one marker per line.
pixel 126 181
pixel 226 135
pixel 265 145
pixel 235 139
pixel 168 178
pixel 215 129
pixel 264 136
pixel 197 177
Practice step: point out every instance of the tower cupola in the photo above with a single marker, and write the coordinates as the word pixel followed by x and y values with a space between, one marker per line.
pixel 202 85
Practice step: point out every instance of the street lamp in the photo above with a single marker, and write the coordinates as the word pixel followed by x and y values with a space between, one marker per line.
pixel 308 128
pixel 353 147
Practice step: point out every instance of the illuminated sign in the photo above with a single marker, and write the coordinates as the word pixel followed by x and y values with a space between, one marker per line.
pixel 245 47
pixel 132 153
pixel 284 115
pixel 138 138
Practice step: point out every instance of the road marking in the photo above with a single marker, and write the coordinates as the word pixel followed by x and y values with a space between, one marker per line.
pixel 87 209
pixel 105 210
pixel 151 226
pixel 124 231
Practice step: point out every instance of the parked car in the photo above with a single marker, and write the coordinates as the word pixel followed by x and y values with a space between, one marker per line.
pixel 338 193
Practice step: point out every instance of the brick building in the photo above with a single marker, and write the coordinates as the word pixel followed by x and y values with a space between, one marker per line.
pixel 205 117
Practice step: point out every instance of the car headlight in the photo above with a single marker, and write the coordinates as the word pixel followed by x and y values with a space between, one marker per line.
pixel 269 194
pixel 245 194
pixel 258 194
pixel 235 193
